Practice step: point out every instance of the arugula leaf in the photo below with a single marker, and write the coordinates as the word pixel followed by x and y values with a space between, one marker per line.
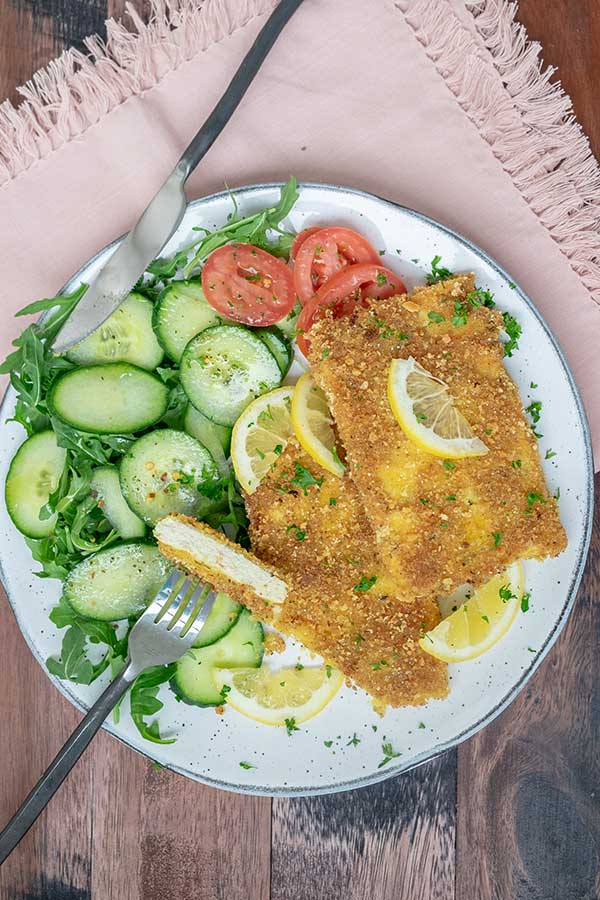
pixel 144 701
pixel 32 365
pixel 254 229
pixel 74 664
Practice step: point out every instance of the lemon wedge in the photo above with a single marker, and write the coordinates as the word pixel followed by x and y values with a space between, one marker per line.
pixel 260 435
pixel 272 696
pixel 313 424
pixel 480 621
pixel 425 411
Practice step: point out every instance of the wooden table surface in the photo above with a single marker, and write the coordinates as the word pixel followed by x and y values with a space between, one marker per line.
pixel 513 813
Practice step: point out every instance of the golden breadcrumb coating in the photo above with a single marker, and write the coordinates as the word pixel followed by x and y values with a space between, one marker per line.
pixel 316 535
pixel 437 523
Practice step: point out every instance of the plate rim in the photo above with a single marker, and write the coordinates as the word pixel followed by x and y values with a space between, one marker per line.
pixel 571 592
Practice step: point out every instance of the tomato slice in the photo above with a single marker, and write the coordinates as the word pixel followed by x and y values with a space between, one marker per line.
pixel 351 287
pixel 300 238
pixel 324 253
pixel 248 285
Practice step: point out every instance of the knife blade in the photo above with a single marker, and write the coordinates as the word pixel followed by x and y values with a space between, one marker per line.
pixel 162 216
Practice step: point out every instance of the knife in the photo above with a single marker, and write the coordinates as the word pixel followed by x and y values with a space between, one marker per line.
pixel 162 216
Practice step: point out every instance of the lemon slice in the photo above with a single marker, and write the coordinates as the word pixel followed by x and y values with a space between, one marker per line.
pixel 259 436
pixel 313 424
pixel 271 696
pixel 426 413
pixel 483 618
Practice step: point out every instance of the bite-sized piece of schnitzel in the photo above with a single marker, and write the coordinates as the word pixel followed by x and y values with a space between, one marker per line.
pixel 213 558
pixel 309 525
pixel 437 523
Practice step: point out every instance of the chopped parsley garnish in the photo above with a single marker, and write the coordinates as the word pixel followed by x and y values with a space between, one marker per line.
pixel 325 353
pixel 461 313
pixel 451 497
pixel 525 602
pixel 365 583
pixel 481 297
pixel 421 724
pixel 381 279
pixel 449 465
pixel 278 449
pixel 438 273
pixel 535 410
pixel 291 726
pixel 532 385
pixel 424 500
pixel 328 743
pixel 328 670
pixel 247 765
pixel 497 537
pixel 549 454
pixel 485 619
pixel 299 666
pixel 506 594
pixel 435 317
pixel 557 494
pixel 516 463
pixel 333 501
pixel 304 479
pixel 299 533
pixel 532 498
pixel 388 754
pixel 531 650
pixel 354 741
pixel 514 331
pixel 260 454
pixel 358 639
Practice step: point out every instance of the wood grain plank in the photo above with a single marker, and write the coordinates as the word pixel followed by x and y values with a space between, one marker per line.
pixel 53 860
pixel 528 811
pixel 25 46
pixel 176 838
pixel 390 841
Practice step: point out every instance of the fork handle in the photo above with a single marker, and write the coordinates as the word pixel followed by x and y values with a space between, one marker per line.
pixel 62 764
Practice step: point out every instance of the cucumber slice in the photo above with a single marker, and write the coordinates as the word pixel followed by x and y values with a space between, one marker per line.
pixel 242 647
pixel 33 475
pixel 216 438
pixel 105 485
pixel 181 312
pixel 289 323
pixel 117 398
pixel 126 336
pixel 116 583
pixel 161 473
pixel 222 618
pixel 224 368
pixel 279 346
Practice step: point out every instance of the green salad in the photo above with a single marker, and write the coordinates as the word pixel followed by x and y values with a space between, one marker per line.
pixel 128 426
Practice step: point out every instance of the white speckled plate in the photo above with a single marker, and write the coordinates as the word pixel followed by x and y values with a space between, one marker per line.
pixel 210 747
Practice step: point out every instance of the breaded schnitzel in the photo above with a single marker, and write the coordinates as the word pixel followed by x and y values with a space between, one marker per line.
pixel 437 523
pixel 311 528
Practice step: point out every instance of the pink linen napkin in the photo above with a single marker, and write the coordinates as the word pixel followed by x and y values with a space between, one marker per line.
pixel 441 105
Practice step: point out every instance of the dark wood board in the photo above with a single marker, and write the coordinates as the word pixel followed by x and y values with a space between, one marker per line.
pixel 512 814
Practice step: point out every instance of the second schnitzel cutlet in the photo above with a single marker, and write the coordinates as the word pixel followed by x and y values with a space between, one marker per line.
pixel 310 527
pixel 437 523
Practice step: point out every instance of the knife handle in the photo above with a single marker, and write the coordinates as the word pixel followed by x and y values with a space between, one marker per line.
pixel 239 84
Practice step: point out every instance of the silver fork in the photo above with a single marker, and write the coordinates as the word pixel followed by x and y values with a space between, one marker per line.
pixel 162 634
